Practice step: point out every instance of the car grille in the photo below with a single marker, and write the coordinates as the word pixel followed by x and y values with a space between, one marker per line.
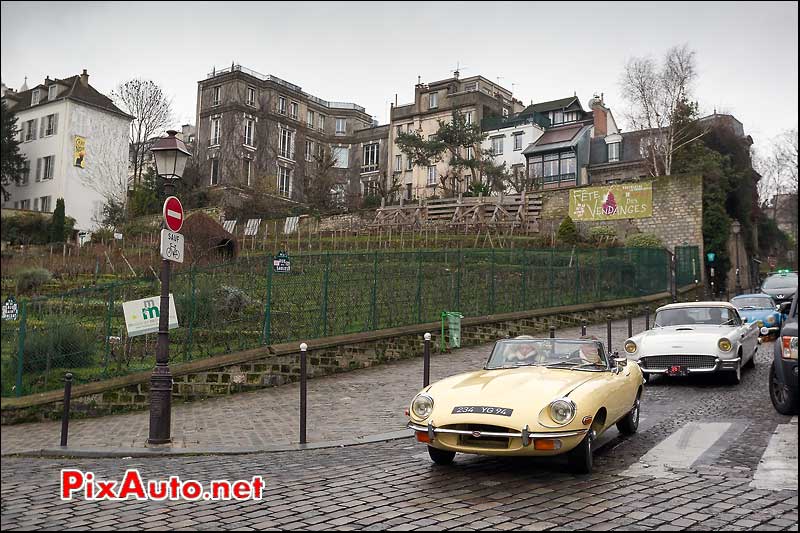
pixel 489 443
pixel 661 362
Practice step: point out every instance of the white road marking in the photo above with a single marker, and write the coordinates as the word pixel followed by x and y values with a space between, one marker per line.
pixel 777 469
pixel 679 450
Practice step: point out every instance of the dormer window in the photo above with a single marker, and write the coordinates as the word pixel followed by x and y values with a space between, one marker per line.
pixel 52 92
pixel 433 100
pixel 35 97
pixel 613 152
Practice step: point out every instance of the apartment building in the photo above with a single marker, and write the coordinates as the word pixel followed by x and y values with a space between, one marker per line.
pixel 261 133
pixel 475 97
pixel 76 142
pixel 507 137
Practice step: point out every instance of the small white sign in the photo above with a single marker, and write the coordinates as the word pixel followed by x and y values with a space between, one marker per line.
pixel 171 246
pixel 141 316
pixel 118 236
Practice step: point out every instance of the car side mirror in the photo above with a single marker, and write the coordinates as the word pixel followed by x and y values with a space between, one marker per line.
pixel 620 362
pixel 785 307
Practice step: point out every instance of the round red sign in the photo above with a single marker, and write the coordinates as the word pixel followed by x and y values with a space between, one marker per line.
pixel 173 213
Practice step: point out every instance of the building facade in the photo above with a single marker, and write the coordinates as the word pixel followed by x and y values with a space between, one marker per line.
pixel 76 142
pixel 474 97
pixel 260 133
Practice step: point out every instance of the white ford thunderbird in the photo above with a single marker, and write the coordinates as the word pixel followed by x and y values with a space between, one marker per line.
pixel 695 337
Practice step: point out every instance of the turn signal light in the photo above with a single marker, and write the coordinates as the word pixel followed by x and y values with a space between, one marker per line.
pixel 547 444
pixel 422 436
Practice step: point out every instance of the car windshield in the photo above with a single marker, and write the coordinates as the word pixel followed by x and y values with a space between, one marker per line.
pixel 564 353
pixel 688 316
pixel 781 281
pixel 753 302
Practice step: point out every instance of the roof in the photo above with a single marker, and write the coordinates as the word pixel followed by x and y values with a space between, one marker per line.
pixel 75 90
pixel 630 149
pixel 552 105
pixel 684 305
pixel 557 138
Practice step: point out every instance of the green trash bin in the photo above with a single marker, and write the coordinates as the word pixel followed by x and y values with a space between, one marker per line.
pixel 453 321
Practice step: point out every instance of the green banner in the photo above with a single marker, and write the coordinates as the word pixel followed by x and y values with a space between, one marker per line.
pixel 611 202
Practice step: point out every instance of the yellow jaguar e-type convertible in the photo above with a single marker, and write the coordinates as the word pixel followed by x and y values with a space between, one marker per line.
pixel 539 397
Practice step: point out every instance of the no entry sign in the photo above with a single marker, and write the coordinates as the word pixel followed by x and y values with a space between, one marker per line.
pixel 173 213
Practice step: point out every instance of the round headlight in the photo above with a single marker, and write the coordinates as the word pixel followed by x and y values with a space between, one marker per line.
pixel 771 319
pixel 422 406
pixel 562 411
pixel 630 346
pixel 759 323
pixel 725 345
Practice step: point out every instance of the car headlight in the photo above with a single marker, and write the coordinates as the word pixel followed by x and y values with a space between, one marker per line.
pixel 759 323
pixel 771 319
pixel 724 345
pixel 562 411
pixel 422 406
pixel 630 346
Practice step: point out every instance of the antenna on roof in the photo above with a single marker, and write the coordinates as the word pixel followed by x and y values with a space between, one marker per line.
pixel 457 71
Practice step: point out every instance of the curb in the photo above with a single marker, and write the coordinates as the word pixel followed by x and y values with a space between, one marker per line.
pixel 161 451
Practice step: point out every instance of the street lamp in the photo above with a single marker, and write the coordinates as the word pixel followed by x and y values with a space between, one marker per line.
pixel 736 228
pixel 170 155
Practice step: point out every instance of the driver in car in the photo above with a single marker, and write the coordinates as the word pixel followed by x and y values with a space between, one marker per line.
pixel 588 352
pixel 522 353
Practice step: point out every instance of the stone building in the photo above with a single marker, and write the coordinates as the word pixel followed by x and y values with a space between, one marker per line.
pixel 475 97
pixel 259 133
pixel 76 142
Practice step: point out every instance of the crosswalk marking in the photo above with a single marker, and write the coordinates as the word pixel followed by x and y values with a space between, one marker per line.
pixel 679 450
pixel 777 469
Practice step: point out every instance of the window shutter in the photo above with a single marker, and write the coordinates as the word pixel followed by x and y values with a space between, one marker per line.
pixel 33 133
pixel 42 126
pixel 39 169
pixel 55 124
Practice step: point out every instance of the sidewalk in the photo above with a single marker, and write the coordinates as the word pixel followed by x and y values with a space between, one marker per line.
pixel 341 407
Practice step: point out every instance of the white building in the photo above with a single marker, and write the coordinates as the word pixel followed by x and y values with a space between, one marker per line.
pixel 76 142
pixel 507 137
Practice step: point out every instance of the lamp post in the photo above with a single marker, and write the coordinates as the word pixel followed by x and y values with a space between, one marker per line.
pixel 170 155
pixel 736 228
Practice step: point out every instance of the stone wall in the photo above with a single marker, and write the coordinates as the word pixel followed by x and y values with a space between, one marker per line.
pixel 279 364
pixel 677 213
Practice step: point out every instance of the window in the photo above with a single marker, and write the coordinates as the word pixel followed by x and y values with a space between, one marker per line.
pixel 535 168
pixel 293 110
pixel 470 152
pixel 341 155
pixel 398 163
pixel 44 204
pixel 399 131
pixel 310 118
pixel 281 105
pixel 433 100
pixel 251 96
pixel 286 144
pixel 215 131
pixel 567 166
pixel 25 204
pixel 432 175
pixel 52 92
pixel 497 145
pixel 409 127
pixel 553 168
pixel 613 152
pixel 248 167
pixel 284 181
pixel 216 95
pixel 35 204
pixel 30 130
pixel 309 150
pixel 320 150
pixel 50 125
pixel 505 111
pixel 571 116
pixel 45 167
pixel 214 171
pixel 370 188
pixel 35 97
pixel 409 164
pixel 249 125
pixel 321 122
pixel 518 141
pixel 470 87
pixel 370 157
pixel 557 117
pixel 468 116
pixel 341 126
pixel 26 173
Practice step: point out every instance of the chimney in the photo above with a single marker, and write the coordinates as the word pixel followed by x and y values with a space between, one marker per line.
pixel 599 113
pixel 85 78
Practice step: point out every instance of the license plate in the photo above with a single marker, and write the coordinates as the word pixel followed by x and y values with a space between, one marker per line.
pixel 481 410
pixel 677 370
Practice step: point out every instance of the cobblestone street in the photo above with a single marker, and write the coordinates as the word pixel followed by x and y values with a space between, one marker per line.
pixel 395 486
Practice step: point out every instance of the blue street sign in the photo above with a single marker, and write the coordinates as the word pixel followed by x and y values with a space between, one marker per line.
pixel 711 256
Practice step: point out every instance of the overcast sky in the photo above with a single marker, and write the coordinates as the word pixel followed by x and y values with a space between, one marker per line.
pixel 366 52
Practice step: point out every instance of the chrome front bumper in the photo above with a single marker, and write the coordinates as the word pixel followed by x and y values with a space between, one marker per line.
pixel 526 435
pixel 719 365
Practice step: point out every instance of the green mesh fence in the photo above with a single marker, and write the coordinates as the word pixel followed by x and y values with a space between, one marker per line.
pixel 244 304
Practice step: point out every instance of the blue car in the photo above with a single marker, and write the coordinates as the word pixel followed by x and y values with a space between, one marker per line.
pixel 761 309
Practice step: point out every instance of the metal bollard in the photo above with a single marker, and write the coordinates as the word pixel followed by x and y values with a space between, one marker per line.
pixel 630 323
pixel 608 329
pixel 426 358
pixel 303 391
pixel 552 332
pixel 583 327
pixel 647 318
pixel 65 414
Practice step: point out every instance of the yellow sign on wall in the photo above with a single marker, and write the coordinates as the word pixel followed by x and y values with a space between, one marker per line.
pixel 611 202
pixel 80 152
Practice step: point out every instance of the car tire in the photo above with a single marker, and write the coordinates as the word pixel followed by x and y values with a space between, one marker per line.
pixel 752 362
pixel 782 398
pixel 580 458
pixel 735 377
pixel 629 423
pixel 441 457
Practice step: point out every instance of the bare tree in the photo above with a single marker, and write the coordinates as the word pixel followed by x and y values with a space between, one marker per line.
pixel 778 169
pixel 106 172
pixel 319 182
pixel 152 110
pixel 655 95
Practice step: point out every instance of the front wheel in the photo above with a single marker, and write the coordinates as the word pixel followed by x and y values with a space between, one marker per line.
pixel 628 424
pixel 735 377
pixel 441 457
pixel 782 398
pixel 580 457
